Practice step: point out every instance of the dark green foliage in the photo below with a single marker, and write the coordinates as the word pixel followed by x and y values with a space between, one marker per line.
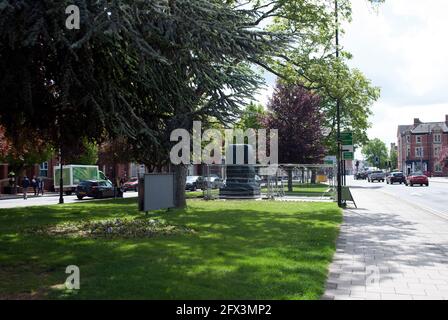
pixel 134 68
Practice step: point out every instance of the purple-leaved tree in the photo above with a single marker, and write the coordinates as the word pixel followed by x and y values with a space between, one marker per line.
pixel 295 113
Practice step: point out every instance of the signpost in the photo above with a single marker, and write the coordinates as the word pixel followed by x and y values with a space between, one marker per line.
pixel 331 160
pixel 348 151
pixel 348 155
pixel 347 138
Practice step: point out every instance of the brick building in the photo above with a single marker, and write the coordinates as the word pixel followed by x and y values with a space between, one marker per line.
pixel 45 171
pixel 423 146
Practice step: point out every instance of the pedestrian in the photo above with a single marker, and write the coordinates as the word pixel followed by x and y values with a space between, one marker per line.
pixel 25 186
pixel 40 186
pixel 34 185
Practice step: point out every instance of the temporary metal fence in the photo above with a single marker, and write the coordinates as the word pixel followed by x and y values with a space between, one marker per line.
pixel 286 181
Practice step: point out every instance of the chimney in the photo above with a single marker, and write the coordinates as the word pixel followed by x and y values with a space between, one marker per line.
pixel 417 121
pixel 446 119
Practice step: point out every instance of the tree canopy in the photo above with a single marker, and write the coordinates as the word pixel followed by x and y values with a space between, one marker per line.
pixel 313 63
pixel 136 70
pixel 294 112
pixel 375 150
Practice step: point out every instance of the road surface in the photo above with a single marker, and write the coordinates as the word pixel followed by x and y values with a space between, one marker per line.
pixel 433 198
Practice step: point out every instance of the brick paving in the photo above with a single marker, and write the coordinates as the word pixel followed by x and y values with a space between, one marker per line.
pixel 389 250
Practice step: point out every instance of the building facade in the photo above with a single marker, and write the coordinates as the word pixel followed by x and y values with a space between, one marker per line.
pixel 45 171
pixel 423 147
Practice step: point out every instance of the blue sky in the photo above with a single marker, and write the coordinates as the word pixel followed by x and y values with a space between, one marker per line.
pixel 403 48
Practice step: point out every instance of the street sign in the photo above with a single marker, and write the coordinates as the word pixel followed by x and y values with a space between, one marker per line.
pixel 347 138
pixel 330 160
pixel 348 151
pixel 347 155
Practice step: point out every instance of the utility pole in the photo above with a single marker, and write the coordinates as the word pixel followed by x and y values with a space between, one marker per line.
pixel 61 179
pixel 338 115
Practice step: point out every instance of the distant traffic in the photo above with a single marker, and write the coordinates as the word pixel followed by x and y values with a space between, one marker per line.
pixel 416 178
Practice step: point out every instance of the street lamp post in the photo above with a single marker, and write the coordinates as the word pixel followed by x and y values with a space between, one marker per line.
pixel 61 180
pixel 338 116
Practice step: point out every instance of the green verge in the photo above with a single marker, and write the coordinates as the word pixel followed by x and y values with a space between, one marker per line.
pixel 240 250
pixel 306 190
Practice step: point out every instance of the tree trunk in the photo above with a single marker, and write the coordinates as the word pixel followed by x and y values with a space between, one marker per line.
pixel 289 179
pixel 180 177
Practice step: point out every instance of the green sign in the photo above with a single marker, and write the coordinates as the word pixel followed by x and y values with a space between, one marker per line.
pixel 348 155
pixel 347 138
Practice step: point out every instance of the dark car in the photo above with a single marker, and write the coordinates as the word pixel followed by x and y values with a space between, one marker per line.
pixel 192 183
pixel 396 177
pixel 131 185
pixel 417 178
pixel 361 175
pixel 97 189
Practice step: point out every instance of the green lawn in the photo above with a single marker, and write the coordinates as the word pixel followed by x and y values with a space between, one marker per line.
pixel 240 250
pixel 194 194
pixel 310 190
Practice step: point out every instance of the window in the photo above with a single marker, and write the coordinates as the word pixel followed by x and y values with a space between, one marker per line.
pixel 436 151
pixel 43 169
pixel 437 138
pixel 408 139
pixel 438 167
pixel 419 152
pixel 418 139
pixel 408 152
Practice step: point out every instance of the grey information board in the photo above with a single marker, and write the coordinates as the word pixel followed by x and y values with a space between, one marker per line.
pixel 156 191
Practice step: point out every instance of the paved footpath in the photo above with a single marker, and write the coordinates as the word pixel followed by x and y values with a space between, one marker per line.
pixel 389 250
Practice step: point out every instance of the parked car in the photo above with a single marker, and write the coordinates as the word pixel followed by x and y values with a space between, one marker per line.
pixel 97 189
pixel 131 185
pixel 379 176
pixel 192 183
pixel 396 177
pixel 361 175
pixel 214 182
pixel 417 178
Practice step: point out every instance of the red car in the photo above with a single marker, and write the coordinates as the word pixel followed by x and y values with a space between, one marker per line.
pixel 417 178
pixel 131 185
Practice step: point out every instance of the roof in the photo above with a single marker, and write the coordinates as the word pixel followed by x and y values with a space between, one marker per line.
pixel 430 126
pixel 403 129
pixel 423 128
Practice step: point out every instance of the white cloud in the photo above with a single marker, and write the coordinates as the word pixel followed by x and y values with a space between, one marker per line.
pixel 403 48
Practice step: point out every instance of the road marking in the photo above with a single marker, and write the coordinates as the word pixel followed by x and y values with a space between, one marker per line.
pixel 416 194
